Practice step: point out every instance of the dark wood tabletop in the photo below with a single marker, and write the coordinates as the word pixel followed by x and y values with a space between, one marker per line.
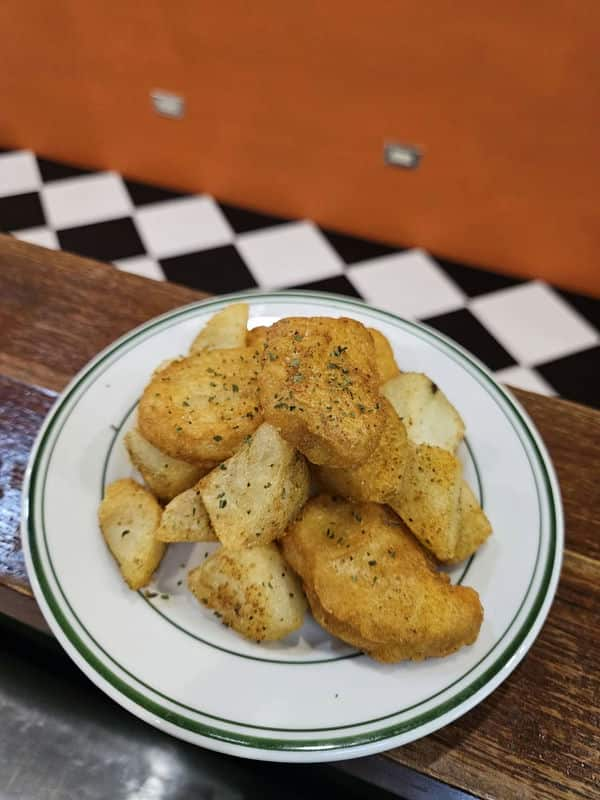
pixel 537 735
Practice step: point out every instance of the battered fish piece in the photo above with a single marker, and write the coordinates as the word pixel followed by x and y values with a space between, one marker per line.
pixel 379 479
pixel 227 328
pixel 252 590
pixel 201 408
pixel 384 356
pixel 185 519
pixel 166 477
pixel 129 516
pixel 253 496
pixel 376 587
pixel 428 500
pixel 319 387
pixel 257 337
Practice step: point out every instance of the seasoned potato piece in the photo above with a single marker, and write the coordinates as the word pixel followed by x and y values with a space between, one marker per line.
pixel 257 337
pixel 252 590
pixel 375 586
pixel 429 416
pixel 129 516
pixel 319 387
pixel 202 408
pixel 185 520
pixel 166 477
pixel 473 525
pixel 227 328
pixel 379 479
pixel 428 498
pixel 384 356
pixel 252 497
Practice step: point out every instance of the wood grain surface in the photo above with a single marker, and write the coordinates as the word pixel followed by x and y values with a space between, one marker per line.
pixel 537 735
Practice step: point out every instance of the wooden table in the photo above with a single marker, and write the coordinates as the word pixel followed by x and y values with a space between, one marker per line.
pixel 537 736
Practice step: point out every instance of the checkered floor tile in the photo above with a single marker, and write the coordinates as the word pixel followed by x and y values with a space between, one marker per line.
pixel 530 334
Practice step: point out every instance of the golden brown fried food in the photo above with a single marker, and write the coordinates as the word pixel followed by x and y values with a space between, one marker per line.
pixel 252 590
pixel 227 328
pixel 379 479
pixel 428 498
pixel 384 356
pixel 473 525
pixel 185 519
pixel 427 413
pixel 257 337
pixel 166 477
pixel 201 408
pixel 252 497
pixel 375 585
pixel 129 516
pixel 319 387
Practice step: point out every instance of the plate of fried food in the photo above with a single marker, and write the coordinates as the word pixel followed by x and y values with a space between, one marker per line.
pixel 292 527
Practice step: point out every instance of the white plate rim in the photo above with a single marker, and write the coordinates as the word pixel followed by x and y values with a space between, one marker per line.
pixel 305 749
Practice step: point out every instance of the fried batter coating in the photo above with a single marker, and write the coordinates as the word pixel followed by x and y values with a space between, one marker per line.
pixel 379 479
pixel 319 387
pixel 376 587
pixel 384 356
pixel 201 408
pixel 257 337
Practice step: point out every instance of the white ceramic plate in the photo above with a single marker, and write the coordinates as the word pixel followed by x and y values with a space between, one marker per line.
pixel 310 697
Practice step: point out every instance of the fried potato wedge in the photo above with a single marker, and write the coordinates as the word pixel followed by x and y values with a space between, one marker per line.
pixel 129 516
pixel 379 479
pixel 253 496
pixel 384 356
pixel 185 519
pixel 375 585
pixel 257 337
pixel 319 387
pixel 429 416
pixel 226 329
pixel 473 526
pixel 252 590
pixel 166 477
pixel 202 407
pixel 428 500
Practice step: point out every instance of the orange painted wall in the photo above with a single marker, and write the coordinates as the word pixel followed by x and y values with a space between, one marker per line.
pixel 289 105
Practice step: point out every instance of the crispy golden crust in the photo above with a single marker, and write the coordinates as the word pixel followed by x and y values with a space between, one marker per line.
pixel 384 356
pixel 225 329
pixel 379 479
pixel 201 408
pixel 375 585
pixel 129 516
pixel 185 519
pixel 319 387
pixel 166 477
pixel 429 496
pixel 252 590
pixel 473 525
pixel 252 497
pixel 257 337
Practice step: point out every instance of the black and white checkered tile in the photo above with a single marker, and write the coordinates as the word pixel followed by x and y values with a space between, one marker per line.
pixel 530 334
